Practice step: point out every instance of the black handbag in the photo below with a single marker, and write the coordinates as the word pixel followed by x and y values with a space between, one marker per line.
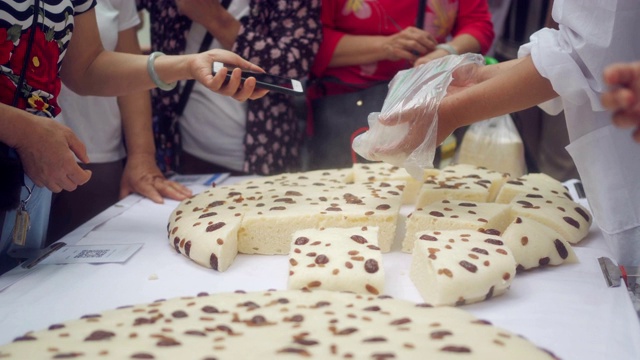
pixel 337 120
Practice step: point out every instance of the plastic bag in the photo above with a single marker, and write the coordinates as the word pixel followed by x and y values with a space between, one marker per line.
pixel 411 108
pixel 495 144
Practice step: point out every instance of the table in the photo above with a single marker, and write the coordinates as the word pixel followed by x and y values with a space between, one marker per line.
pixel 568 310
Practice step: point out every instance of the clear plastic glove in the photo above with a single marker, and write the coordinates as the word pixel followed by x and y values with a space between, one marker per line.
pixel 404 133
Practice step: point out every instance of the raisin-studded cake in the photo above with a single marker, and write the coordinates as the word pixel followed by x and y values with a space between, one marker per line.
pixel 210 226
pixel 458 267
pixel 461 182
pixel 535 245
pixel 452 215
pixel 534 183
pixel 385 172
pixel 337 259
pixel 275 324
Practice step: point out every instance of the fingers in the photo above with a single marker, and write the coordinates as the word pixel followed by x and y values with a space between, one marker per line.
pixel 172 190
pixel 621 74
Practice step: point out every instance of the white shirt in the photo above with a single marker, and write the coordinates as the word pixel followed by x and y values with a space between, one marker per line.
pixel 96 120
pixel 212 125
pixel 592 35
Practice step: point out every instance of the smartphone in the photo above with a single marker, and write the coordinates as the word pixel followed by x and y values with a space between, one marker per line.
pixel 266 81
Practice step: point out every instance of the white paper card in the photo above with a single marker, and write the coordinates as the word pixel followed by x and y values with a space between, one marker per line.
pixel 111 253
pixel 206 179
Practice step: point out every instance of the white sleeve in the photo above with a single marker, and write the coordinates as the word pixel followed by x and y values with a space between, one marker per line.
pixel 128 14
pixel 592 34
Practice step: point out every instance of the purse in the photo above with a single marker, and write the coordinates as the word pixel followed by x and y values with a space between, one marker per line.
pixel 338 119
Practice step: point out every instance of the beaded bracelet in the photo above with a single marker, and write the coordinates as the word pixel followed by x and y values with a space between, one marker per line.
pixel 154 76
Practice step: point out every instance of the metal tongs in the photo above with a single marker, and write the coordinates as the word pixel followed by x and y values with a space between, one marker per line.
pixel 613 274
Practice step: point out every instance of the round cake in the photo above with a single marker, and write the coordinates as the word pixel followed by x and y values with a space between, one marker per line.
pixel 273 324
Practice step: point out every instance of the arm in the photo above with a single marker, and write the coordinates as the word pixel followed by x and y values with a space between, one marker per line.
pixel 46 149
pixel 472 31
pixel 141 174
pixel 90 70
pixel 216 19
pixel 513 86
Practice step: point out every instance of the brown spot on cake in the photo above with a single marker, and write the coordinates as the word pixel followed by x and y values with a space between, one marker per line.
pixel 215 226
pixel 142 356
pixel 494 242
pixel 468 266
pixel 372 289
pixel 440 334
pixel 321 260
pixel 571 221
pixel 582 213
pixel 445 272
pixel 359 239
pixel 480 251
pixel 213 261
pixel 179 314
pixel 544 261
pixel 371 266
pixel 302 240
pixel 561 249
pixel 436 214
pixel 383 207
pixel 99 335
pixel 456 349
pixel 524 240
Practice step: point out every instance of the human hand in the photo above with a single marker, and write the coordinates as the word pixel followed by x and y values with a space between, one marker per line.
pixel 419 119
pixel 46 149
pixel 408 44
pixel 199 11
pixel 435 54
pixel 201 70
pixel 142 176
pixel 623 97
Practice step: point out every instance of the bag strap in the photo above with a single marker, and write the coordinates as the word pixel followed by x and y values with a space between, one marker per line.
pixel 422 7
pixel 188 86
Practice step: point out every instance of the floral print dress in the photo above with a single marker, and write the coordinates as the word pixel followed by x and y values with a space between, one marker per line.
pixel 280 36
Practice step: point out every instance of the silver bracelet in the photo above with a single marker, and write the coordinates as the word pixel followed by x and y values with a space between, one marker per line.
pixel 448 48
pixel 154 75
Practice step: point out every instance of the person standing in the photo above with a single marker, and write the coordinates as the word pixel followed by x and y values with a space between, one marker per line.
pixel 213 134
pixel 103 124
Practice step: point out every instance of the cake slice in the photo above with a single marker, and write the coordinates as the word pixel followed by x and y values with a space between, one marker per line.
pixel 461 182
pixel 337 259
pixel 381 171
pixel 452 215
pixel 267 226
pixel 535 245
pixel 535 183
pixel 570 219
pixel 458 267
pixel 491 178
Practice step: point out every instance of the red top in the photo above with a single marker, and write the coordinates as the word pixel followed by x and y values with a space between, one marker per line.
pixel 386 17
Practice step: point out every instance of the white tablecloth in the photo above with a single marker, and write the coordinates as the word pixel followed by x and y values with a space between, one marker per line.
pixel 568 310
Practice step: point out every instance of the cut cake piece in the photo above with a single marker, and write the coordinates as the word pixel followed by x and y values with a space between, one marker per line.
pixel 458 267
pixel 570 219
pixel 381 171
pixel 534 183
pixel 535 245
pixel 219 222
pixel 461 182
pixel 337 259
pixel 452 215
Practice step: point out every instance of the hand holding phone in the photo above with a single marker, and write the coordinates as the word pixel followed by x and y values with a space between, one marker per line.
pixel 266 81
